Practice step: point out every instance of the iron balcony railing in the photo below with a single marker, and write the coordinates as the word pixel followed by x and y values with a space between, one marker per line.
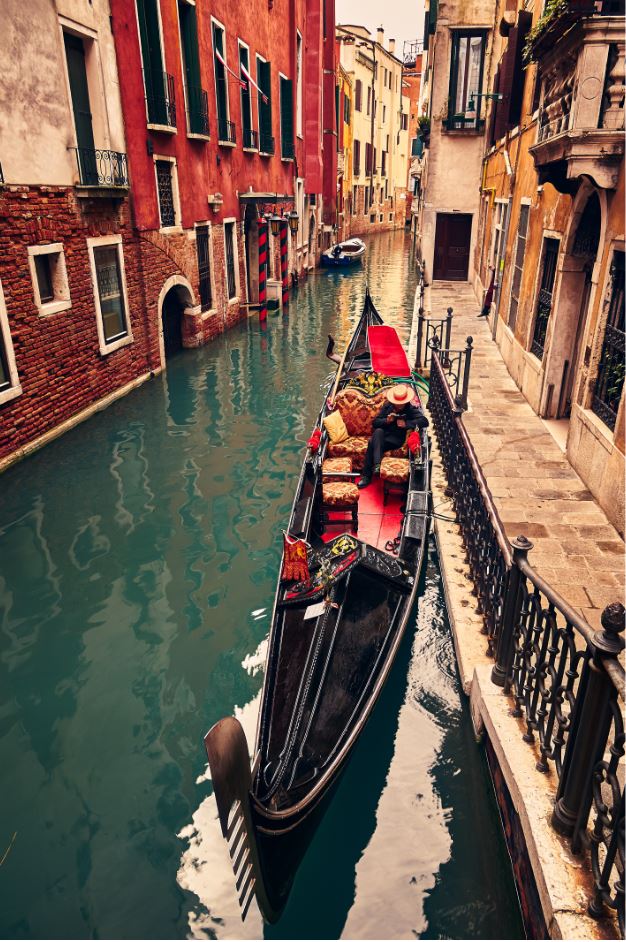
pixel 101 167
pixel 266 144
pixel 161 99
pixel 287 150
pixel 227 131
pixel 250 139
pixel 197 110
pixel 566 681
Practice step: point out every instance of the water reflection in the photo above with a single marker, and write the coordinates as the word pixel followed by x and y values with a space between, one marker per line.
pixel 139 555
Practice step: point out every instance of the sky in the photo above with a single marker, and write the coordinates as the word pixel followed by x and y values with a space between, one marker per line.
pixel 401 19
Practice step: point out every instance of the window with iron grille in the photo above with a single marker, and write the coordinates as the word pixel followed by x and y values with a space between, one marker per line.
pixel 356 157
pixel 165 191
pixel 229 238
pixel 109 278
pixel 204 267
pixel 518 267
pixel 610 380
pixel 346 109
pixel 545 296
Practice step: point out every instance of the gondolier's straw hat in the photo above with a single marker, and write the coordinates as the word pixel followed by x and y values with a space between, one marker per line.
pixel 399 395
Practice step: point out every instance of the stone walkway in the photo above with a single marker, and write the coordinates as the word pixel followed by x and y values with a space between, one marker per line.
pixel 534 487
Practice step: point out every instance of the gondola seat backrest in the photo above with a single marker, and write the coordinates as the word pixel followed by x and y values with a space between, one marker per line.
pixel 358 411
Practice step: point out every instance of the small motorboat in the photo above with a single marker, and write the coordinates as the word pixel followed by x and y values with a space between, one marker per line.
pixel 344 254
pixel 336 628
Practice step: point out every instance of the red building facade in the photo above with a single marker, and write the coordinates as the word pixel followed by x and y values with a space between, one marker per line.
pixel 225 122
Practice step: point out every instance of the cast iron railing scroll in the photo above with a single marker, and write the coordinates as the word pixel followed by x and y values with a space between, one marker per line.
pixel 565 679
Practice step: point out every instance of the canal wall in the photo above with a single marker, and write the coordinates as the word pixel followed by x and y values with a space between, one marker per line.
pixel 555 885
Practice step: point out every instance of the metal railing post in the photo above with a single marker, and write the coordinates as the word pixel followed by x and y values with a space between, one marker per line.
pixel 420 331
pixel 511 609
pixel 462 398
pixel 446 345
pixel 589 729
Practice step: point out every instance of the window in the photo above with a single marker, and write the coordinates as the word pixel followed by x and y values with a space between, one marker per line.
pixel 159 86
pixel 384 113
pixel 518 265
pixel 358 95
pixel 196 96
pixel 264 81
pixel 204 268
pixel 545 296
pixel 500 233
pixel 404 122
pixel 167 192
pixel 368 157
pixel 369 99
pixel 356 157
pixel 81 107
pixel 610 380
pixel 9 381
pixel 225 127
pixel 298 84
pixel 250 139
pixel 346 109
pixel 49 277
pixel 466 77
pixel 383 165
pixel 231 272
pixel 107 272
pixel 286 118
pixel 355 196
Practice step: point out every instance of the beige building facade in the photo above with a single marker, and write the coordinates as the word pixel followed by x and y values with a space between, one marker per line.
pixel 380 136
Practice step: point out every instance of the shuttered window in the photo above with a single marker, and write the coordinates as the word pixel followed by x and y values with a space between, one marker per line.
pixel 264 81
pixel 356 157
pixel 221 88
pixel 494 110
pixel 466 79
pixel 249 138
pixel 545 297
pixel 231 280
pixel 204 267
pixel 518 265
pixel 346 109
pixel 286 118
pixel 511 78
pixel 152 60
pixel 197 107
pixel 368 157
pixel 358 95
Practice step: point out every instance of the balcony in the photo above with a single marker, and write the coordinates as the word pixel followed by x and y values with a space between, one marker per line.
pixel 267 145
pixel 581 117
pixel 197 111
pixel 250 139
pixel 287 149
pixel 227 132
pixel 104 170
pixel 161 101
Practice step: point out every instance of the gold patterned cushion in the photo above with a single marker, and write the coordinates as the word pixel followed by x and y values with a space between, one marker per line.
pixel 341 465
pixel 340 494
pixel 394 470
pixel 359 410
pixel 402 452
pixel 335 426
pixel 353 448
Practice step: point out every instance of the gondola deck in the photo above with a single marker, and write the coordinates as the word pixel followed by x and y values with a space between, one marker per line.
pixel 332 643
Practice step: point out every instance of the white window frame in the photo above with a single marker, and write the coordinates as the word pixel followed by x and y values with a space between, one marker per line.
pixel 177 227
pixel 62 300
pixel 15 389
pixel 299 48
pixel 223 28
pixel 281 75
pixel 201 225
pixel 162 128
pixel 237 295
pixel 93 243
pixel 242 45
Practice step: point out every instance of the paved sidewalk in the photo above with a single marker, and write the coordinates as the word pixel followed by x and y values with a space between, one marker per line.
pixel 534 487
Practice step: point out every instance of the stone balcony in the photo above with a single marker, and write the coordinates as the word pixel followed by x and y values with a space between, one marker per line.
pixel 581 117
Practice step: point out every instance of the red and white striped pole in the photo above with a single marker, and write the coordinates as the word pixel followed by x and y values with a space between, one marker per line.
pixel 262 269
pixel 284 263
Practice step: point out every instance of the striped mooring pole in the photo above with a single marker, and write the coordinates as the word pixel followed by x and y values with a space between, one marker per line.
pixel 262 269
pixel 283 262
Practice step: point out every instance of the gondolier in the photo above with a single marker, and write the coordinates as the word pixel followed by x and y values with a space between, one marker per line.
pixel 395 419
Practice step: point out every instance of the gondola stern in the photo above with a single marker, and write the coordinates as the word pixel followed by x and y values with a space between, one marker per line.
pixel 228 754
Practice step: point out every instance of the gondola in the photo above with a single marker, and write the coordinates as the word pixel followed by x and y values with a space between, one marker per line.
pixel 332 642
pixel 344 254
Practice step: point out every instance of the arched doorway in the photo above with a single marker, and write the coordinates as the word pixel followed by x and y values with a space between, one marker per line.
pixel 578 276
pixel 173 308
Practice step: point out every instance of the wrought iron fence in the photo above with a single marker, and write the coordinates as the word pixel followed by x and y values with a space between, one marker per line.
pixel 431 332
pixel 227 131
pixel 197 110
pixel 267 144
pixel 161 99
pixel 102 167
pixel 565 679
pixel 250 139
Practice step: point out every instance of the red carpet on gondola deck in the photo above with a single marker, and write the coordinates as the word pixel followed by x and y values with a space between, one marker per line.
pixel 388 354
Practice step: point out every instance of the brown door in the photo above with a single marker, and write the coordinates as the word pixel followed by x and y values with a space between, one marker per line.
pixel 452 246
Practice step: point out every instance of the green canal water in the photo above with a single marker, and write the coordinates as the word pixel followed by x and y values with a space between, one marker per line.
pixel 138 561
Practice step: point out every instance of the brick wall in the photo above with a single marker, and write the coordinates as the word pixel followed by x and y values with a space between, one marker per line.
pixel 391 210
pixel 60 367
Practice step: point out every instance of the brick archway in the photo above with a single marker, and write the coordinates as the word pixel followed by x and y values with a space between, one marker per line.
pixel 176 297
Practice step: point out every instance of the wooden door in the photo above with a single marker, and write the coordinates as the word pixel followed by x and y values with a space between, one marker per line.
pixel 452 246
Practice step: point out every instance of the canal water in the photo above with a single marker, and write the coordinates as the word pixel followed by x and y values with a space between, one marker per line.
pixel 139 555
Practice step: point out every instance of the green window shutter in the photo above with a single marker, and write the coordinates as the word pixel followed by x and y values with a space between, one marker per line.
pixel 286 117
pixel 432 17
pixel 196 96
pixel 246 102
pixel 264 81
pixel 152 60
pixel 220 84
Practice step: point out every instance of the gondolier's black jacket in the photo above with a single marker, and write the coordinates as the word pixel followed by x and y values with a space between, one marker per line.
pixel 412 415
